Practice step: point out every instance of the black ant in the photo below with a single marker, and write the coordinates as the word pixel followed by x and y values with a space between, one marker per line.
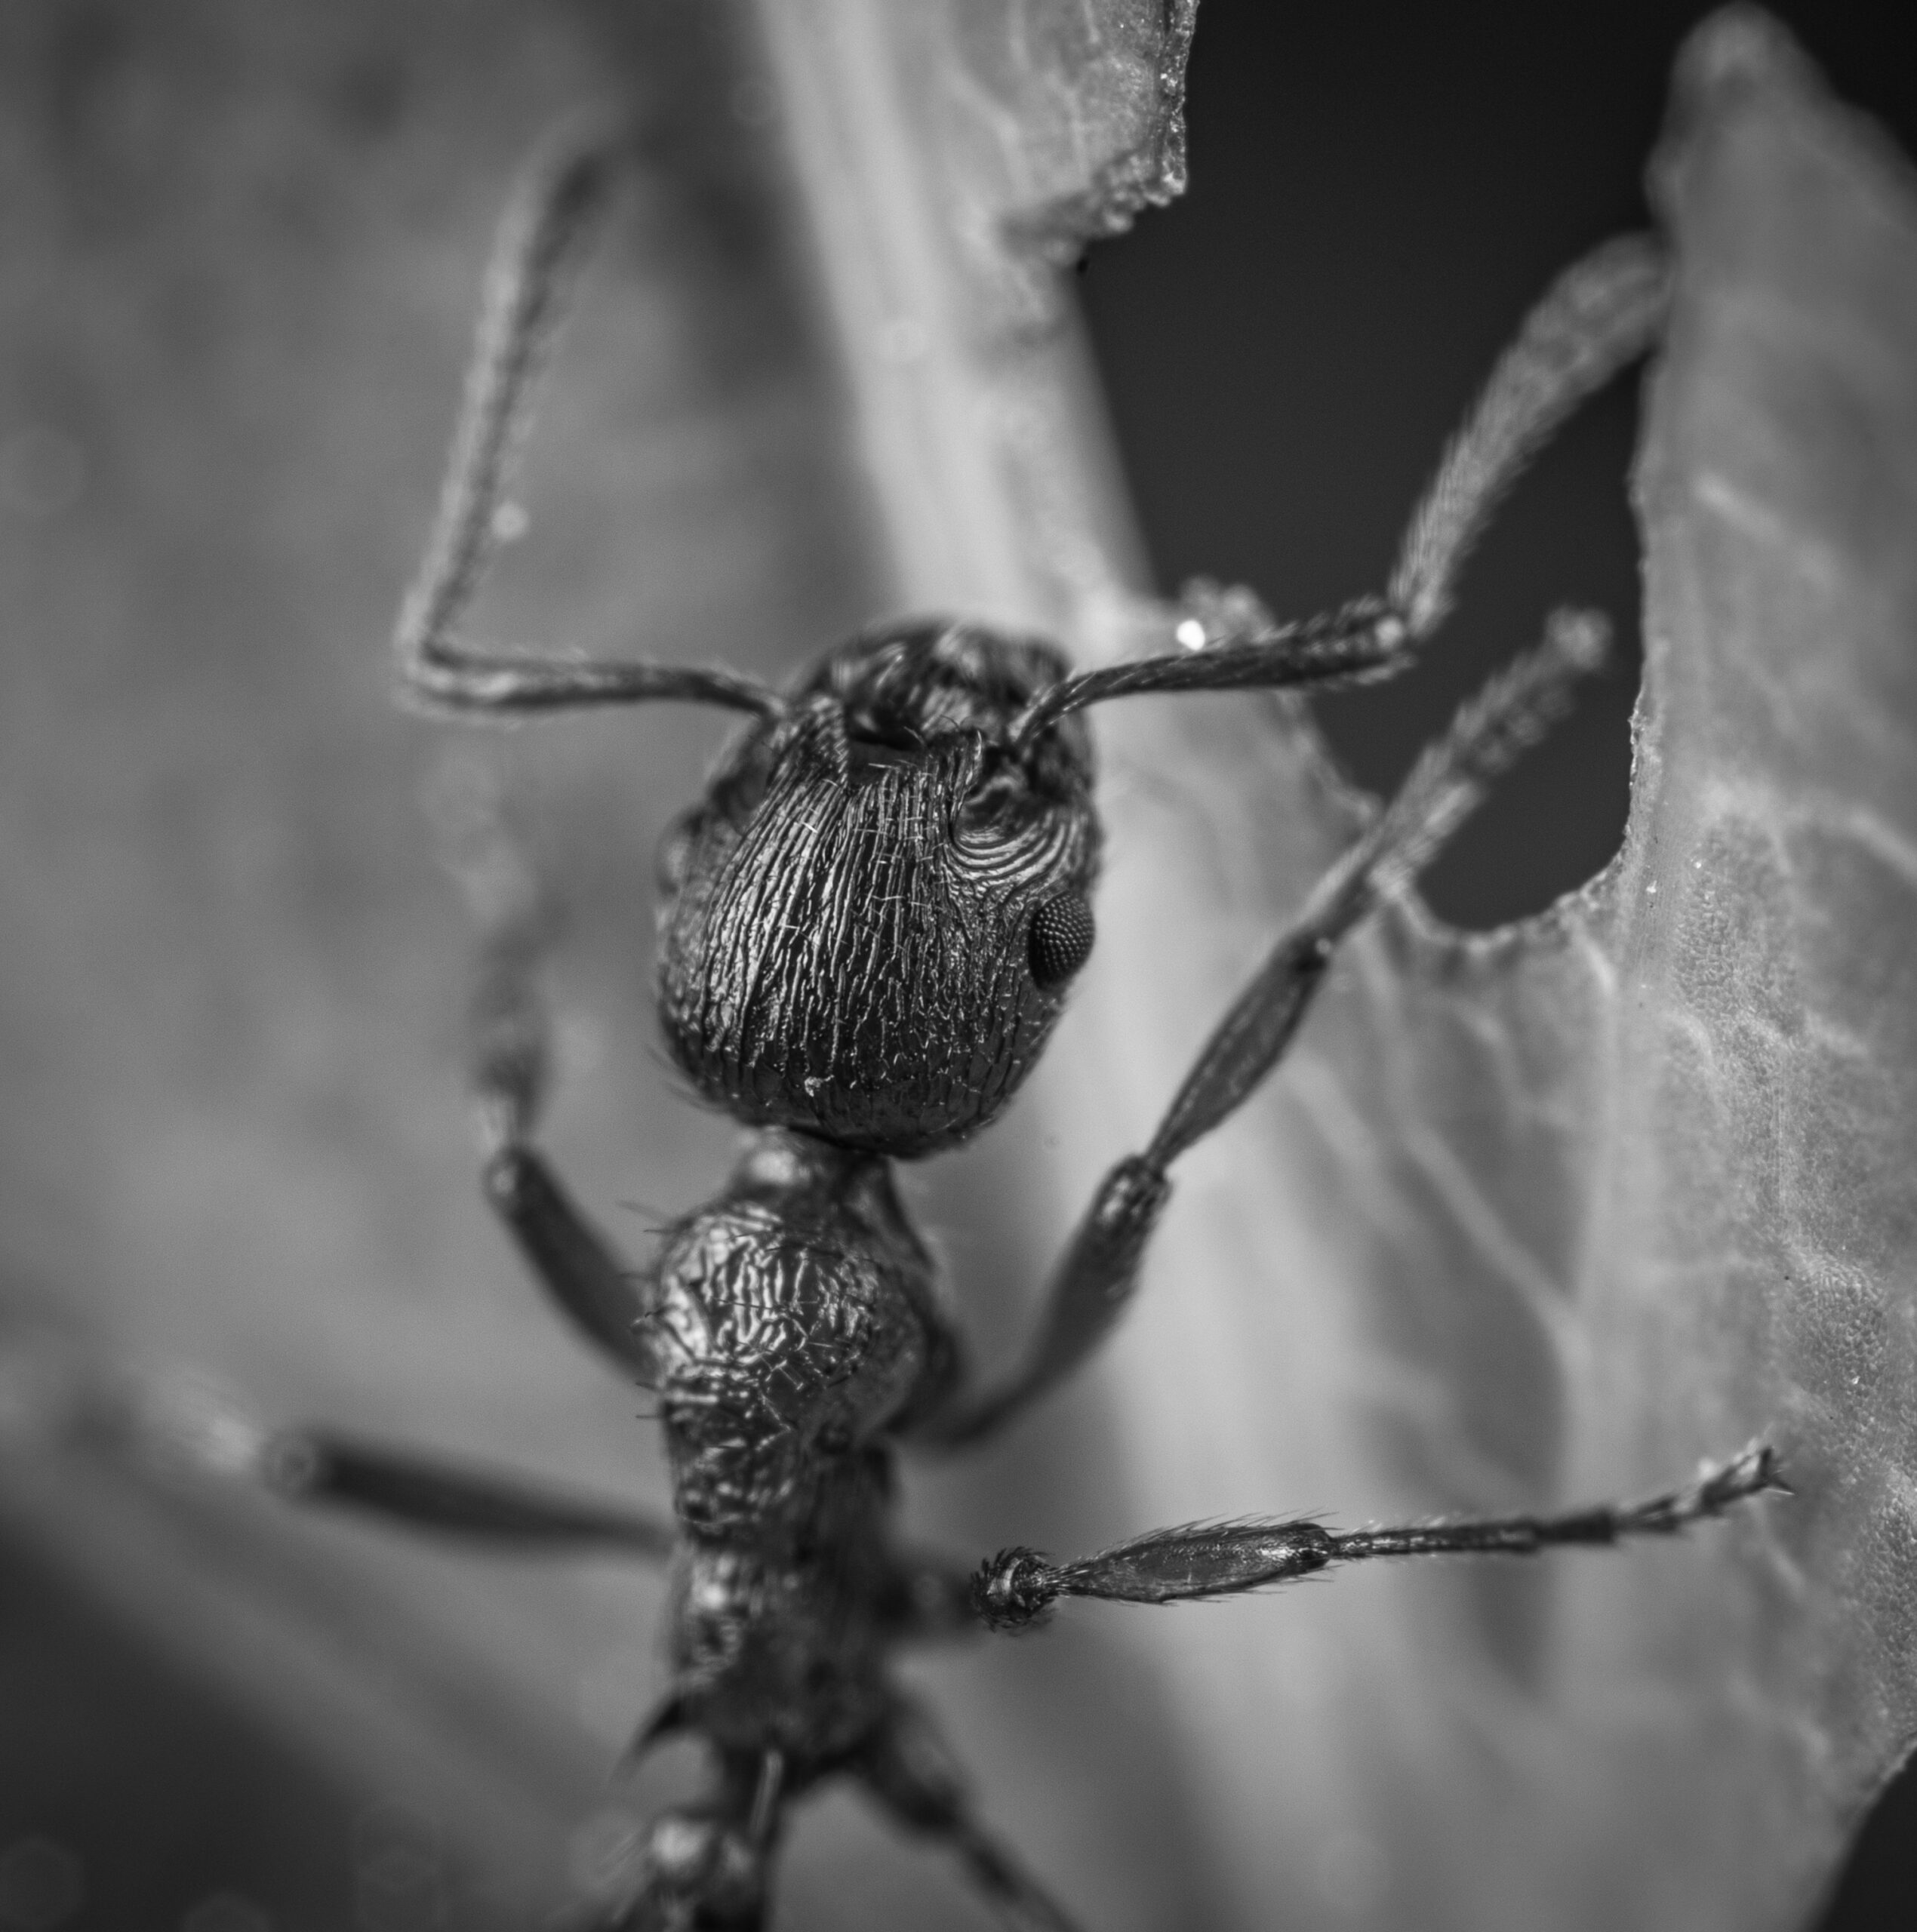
pixel 873 919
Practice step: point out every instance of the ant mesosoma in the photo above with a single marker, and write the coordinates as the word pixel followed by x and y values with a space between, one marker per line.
pixel 871 920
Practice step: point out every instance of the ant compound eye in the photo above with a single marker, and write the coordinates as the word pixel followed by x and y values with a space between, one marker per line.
pixel 1059 940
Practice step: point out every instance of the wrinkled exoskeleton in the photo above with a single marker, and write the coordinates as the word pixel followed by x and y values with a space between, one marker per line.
pixel 873 917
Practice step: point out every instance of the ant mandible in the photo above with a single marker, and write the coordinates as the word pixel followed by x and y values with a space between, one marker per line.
pixel 872 919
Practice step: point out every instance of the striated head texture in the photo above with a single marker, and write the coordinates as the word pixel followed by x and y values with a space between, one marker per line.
pixel 877 907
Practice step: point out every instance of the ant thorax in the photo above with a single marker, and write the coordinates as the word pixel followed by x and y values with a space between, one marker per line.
pixel 792 1325
pixel 790 1321
pixel 877 908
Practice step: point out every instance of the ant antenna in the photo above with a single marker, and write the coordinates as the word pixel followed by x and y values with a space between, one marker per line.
pixel 543 240
pixel 1599 316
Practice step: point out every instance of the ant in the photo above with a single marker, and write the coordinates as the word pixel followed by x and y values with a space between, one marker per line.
pixel 872 920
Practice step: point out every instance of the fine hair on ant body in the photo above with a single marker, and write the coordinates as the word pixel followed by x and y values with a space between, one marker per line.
pixel 871 921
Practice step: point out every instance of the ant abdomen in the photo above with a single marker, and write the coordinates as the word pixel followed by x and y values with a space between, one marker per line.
pixel 878 909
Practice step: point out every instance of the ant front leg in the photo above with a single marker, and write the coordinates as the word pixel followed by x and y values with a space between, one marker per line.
pixel 1095 1283
pixel 510 1052
pixel 426 1489
pixel 1601 315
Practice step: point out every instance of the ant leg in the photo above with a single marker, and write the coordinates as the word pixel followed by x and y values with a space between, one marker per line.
pixel 420 1490
pixel 541 243
pixel 908 1769
pixel 511 1053
pixel 1094 1283
pixel 569 1258
pixel 1602 313
pixel 424 1491
pixel 1176 1565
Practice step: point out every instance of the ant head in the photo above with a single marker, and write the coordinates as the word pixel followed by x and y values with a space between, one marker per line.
pixel 874 912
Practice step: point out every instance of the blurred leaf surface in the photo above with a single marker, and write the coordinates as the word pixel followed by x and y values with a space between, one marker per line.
pixel 1549 1214
pixel 245 244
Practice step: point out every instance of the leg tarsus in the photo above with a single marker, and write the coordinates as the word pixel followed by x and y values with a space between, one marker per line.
pixel 1719 1486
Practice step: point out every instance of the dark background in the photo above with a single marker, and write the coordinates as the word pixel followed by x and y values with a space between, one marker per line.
pixel 1378 191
